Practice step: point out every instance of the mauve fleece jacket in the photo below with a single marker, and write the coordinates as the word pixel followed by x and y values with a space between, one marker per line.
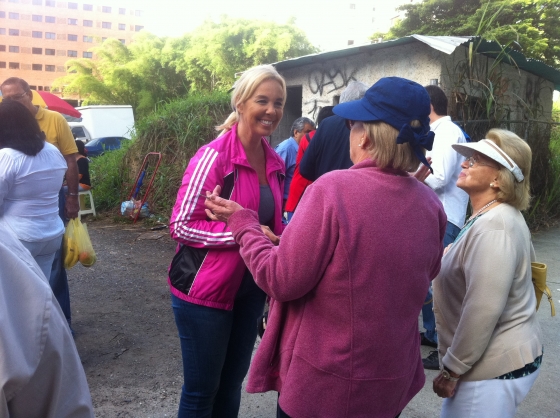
pixel 348 281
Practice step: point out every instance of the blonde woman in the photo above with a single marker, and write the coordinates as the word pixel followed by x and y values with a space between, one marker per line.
pixel 490 344
pixel 215 299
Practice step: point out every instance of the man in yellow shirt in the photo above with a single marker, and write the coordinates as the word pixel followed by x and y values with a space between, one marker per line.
pixel 59 134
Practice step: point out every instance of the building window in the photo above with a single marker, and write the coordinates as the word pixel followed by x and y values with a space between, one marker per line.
pixel 88 7
pixel 87 54
pixel 13 32
pixel 72 5
pixel 2 14
pixel 2 64
pixel 138 28
pixel 37 2
pixel 50 19
pixel 122 26
pixel 37 34
pixel 37 51
pixel 14 16
pixel 13 65
pixel 47 88
pixel 37 67
pixel 122 41
pixel 72 53
pixel 12 48
pixel 138 13
pixel 50 68
pixel 106 25
pixel 50 3
pixel 88 23
pixel 72 37
pixel 50 35
pixel 106 9
pixel 122 11
pixel 37 18
pixel 72 21
pixel 2 31
pixel 2 48
pixel 13 1
pixel 88 38
pixel 49 51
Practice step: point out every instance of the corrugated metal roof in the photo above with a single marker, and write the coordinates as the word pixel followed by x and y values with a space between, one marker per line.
pixel 446 44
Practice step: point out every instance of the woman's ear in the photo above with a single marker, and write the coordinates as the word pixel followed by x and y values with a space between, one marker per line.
pixel 495 183
pixel 239 108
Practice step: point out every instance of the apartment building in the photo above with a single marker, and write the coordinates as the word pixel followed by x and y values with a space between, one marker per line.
pixel 37 37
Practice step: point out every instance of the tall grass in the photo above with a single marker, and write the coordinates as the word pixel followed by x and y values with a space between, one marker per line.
pixel 176 130
pixel 545 208
pixel 107 176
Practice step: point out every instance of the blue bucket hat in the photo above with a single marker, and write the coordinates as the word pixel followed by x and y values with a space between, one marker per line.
pixel 395 101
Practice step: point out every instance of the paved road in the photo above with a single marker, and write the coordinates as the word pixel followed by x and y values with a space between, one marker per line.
pixel 544 399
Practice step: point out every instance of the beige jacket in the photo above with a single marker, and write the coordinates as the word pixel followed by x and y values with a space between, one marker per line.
pixel 484 301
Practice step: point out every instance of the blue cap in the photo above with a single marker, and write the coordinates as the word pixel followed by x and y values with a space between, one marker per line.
pixel 395 101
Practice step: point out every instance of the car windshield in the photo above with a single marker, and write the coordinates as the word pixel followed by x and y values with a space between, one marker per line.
pixel 94 142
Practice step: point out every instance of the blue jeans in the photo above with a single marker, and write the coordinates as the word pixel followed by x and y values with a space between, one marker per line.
pixel 216 346
pixel 428 317
pixel 58 279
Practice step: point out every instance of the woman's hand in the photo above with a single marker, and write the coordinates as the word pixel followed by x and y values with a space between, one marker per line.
pixel 423 172
pixel 447 248
pixel 220 209
pixel 275 239
pixel 443 387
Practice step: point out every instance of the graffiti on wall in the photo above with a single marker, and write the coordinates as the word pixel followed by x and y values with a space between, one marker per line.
pixel 316 106
pixel 330 79
pixel 324 81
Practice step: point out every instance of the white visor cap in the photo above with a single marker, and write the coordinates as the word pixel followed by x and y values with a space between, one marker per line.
pixel 491 150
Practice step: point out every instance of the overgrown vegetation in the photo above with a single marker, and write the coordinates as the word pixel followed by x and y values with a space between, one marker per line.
pixel 530 25
pixel 153 70
pixel 176 130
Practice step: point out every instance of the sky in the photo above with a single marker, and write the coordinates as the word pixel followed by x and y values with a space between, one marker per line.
pixel 329 24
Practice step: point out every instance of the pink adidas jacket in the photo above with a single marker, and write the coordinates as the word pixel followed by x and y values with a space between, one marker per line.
pixel 214 269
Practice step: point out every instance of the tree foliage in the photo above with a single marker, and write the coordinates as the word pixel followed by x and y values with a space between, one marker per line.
pixel 153 70
pixel 219 50
pixel 529 25
pixel 139 74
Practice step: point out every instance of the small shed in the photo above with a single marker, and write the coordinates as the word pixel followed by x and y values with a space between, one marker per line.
pixel 478 76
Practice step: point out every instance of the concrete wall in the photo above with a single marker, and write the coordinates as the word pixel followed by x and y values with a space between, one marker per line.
pixel 323 82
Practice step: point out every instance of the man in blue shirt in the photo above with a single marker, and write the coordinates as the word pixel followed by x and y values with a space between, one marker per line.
pixel 288 149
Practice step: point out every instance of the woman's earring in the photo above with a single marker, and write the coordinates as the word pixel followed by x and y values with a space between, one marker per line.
pixel 492 185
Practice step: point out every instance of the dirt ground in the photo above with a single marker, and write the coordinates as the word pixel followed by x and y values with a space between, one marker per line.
pixel 122 317
pixel 125 329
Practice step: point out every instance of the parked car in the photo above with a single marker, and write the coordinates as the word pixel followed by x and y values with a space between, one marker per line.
pixel 99 146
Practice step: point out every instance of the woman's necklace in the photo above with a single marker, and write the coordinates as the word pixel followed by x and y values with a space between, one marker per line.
pixel 482 208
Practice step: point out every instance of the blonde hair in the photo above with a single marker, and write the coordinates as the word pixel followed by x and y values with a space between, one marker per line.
pixel 517 194
pixel 384 149
pixel 245 87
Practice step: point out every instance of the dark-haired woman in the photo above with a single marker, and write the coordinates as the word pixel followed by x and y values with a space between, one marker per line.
pixel 31 174
pixel 83 168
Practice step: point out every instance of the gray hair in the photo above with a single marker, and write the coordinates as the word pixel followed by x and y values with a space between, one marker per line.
pixel 354 91
pixel 300 123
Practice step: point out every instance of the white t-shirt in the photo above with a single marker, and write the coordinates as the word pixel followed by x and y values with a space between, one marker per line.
pixel 446 163
pixel 41 374
pixel 29 189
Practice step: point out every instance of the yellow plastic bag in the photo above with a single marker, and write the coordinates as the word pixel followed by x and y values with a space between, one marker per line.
pixel 71 251
pixel 77 245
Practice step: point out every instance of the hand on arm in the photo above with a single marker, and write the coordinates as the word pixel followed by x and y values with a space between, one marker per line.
pixel 423 172
pixel 72 180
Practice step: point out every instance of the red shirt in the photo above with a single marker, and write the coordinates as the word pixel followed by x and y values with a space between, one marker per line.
pixel 299 183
